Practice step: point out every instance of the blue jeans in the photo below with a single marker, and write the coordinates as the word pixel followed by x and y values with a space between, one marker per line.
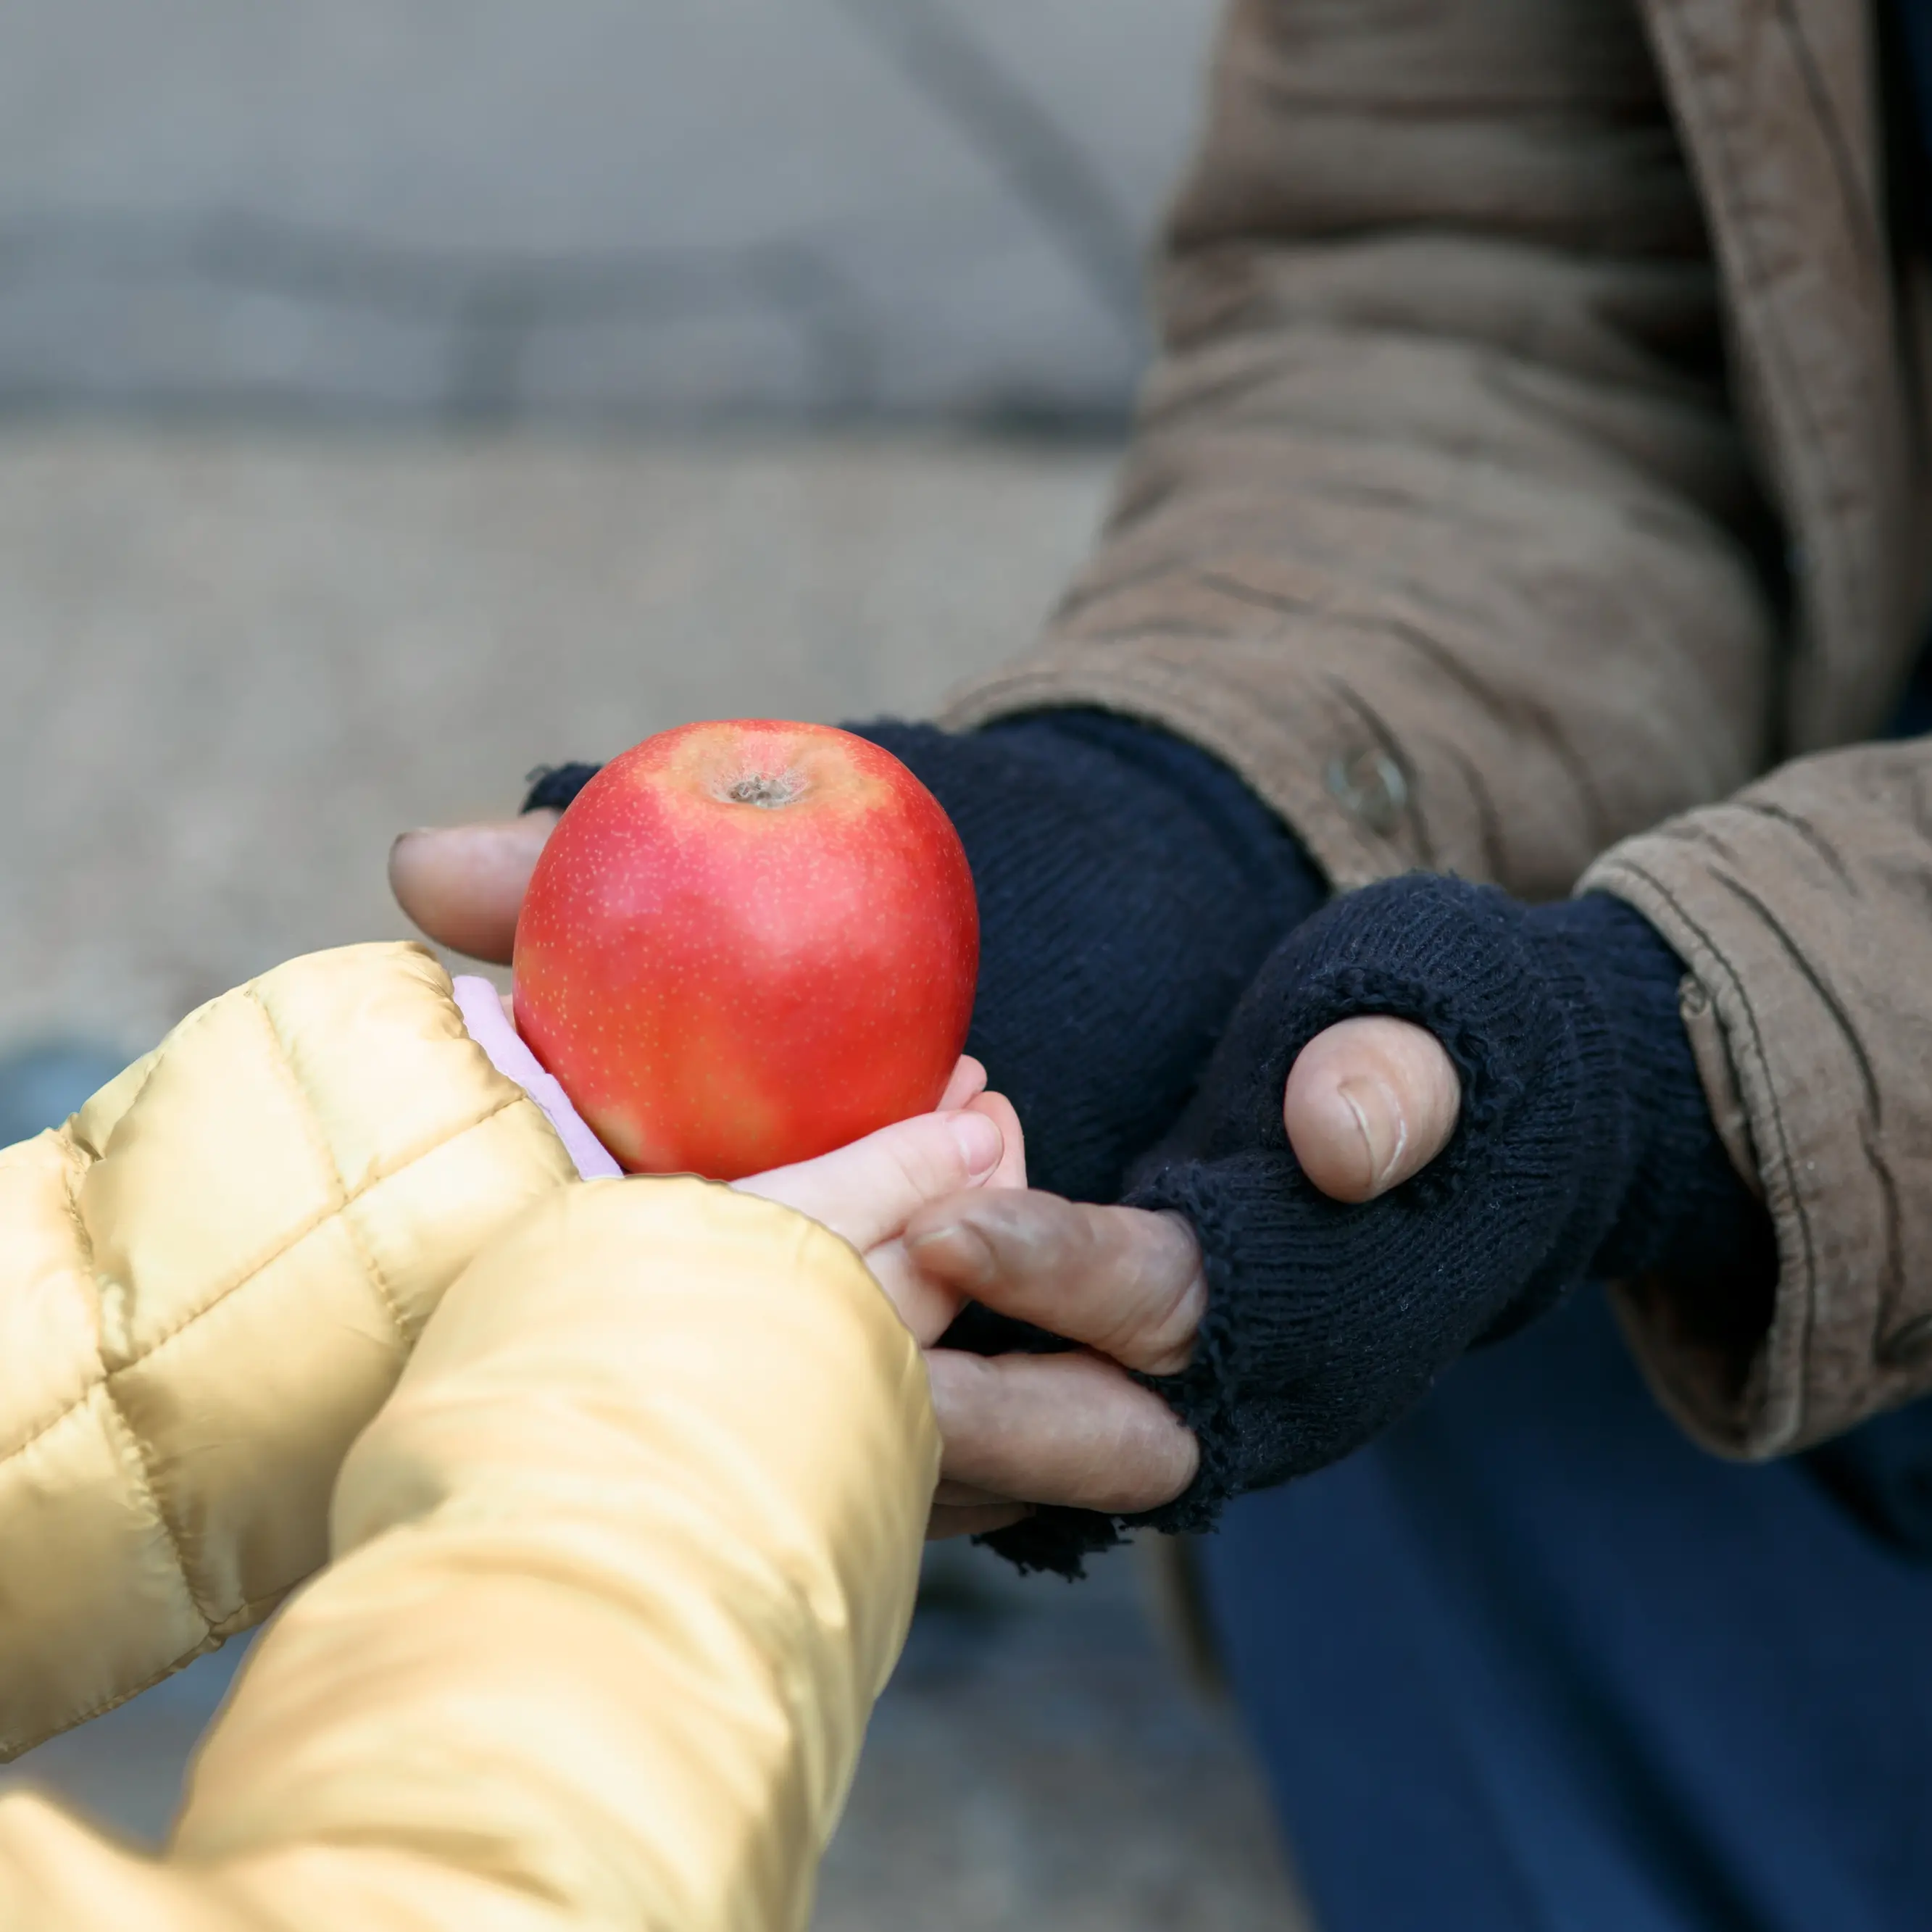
pixel 1535 1661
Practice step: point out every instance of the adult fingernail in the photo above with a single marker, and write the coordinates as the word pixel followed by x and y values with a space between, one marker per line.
pixel 955 1253
pixel 407 846
pixel 1379 1121
pixel 979 1141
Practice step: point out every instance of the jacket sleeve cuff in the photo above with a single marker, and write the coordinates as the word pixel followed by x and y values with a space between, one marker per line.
pixel 1780 1005
pixel 617 1575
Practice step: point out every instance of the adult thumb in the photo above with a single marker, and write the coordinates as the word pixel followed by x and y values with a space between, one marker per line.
pixel 1369 1104
pixel 463 885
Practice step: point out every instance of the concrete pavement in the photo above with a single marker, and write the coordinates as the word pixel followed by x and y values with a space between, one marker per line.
pixel 236 666
pixel 488 210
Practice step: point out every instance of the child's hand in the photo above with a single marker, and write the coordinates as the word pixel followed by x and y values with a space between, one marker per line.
pixel 868 1192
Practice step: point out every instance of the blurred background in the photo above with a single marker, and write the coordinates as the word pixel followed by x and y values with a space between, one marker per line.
pixel 395 394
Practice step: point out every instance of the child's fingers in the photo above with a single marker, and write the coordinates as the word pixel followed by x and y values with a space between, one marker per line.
pixel 869 1191
pixel 1012 1171
pixel 967 1083
pixel 928 1307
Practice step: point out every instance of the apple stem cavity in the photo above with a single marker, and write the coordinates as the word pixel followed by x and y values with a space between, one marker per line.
pixel 766 792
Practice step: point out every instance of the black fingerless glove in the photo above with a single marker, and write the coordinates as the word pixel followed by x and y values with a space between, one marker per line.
pixel 1129 884
pixel 1584 1149
pixel 552 788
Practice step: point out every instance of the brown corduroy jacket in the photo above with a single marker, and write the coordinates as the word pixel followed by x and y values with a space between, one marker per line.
pixel 1537 456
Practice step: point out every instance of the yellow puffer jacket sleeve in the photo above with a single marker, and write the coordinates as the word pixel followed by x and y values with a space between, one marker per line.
pixel 618 1572
pixel 209 1282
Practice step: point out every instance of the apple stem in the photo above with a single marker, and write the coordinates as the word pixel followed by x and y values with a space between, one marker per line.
pixel 767 793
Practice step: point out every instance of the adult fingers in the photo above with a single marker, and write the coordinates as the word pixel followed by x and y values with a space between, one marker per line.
pixel 463 885
pixel 977 1519
pixel 1121 1280
pixel 1070 1428
pixel 1369 1104
pixel 963 1496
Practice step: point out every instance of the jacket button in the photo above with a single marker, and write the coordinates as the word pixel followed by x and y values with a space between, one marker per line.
pixel 1369 783
pixel 1909 1347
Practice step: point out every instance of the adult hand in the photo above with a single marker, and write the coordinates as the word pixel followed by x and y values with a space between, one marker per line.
pixel 1368 1103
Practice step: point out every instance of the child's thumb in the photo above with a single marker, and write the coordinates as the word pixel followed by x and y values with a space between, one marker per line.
pixel 869 1191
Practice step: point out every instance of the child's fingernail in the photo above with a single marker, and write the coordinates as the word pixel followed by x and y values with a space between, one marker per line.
pixel 980 1143
pixel 1383 1131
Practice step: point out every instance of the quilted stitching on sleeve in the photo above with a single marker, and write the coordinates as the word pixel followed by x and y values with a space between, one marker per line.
pixel 210 1282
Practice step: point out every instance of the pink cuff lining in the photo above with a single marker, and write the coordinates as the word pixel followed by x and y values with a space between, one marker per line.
pixel 490 1028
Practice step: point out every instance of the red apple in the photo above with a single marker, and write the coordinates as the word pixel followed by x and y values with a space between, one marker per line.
pixel 747 944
